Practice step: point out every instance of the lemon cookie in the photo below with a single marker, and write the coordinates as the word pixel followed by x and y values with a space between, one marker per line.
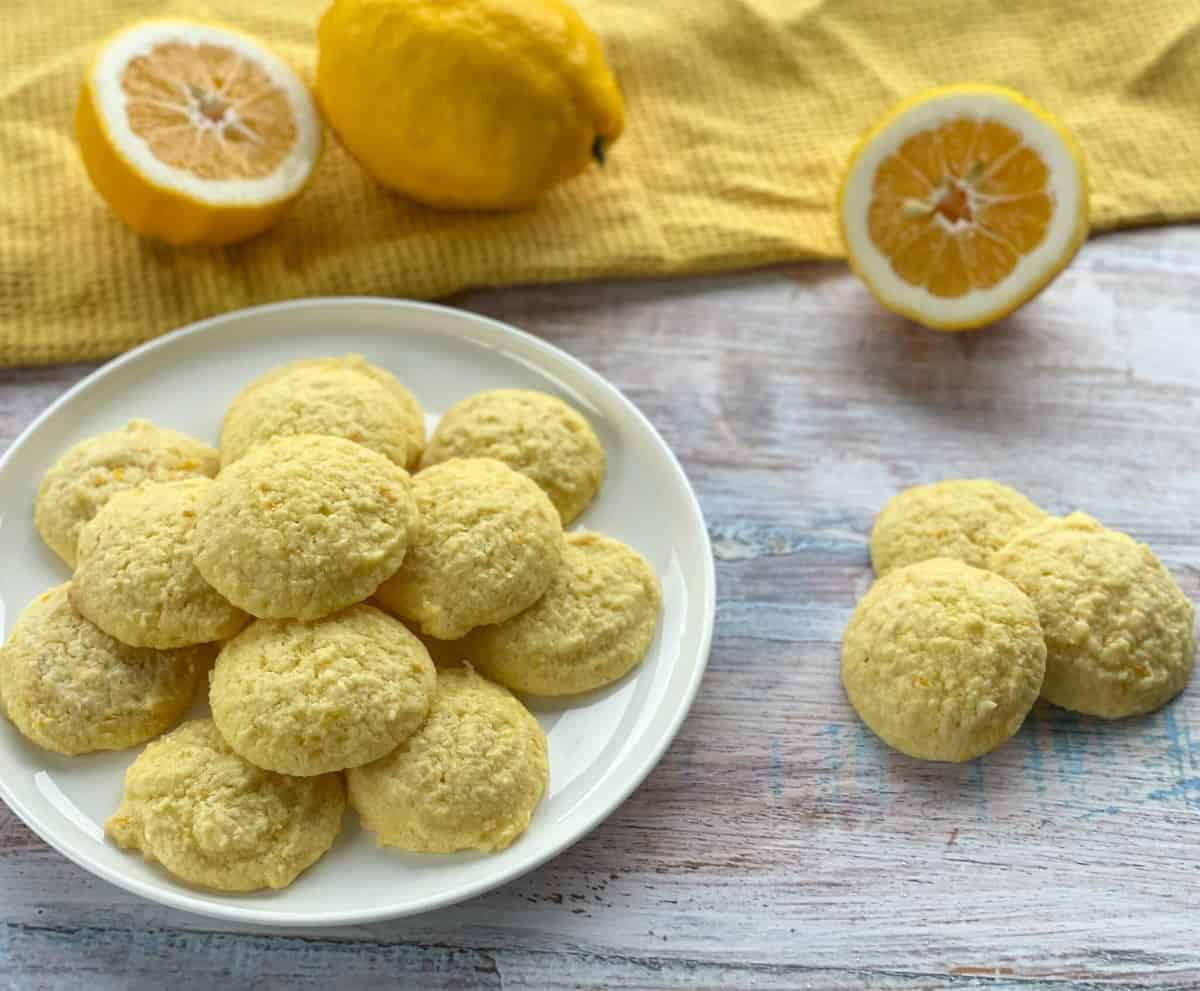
pixel 1120 632
pixel 214 819
pixel 71 688
pixel 943 661
pixel 136 578
pixel 304 526
pixel 487 547
pixel 594 623
pixel 87 475
pixel 468 779
pixel 355 362
pixel 966 519
pixel 340 397
pixel 534 433
pixel 308 698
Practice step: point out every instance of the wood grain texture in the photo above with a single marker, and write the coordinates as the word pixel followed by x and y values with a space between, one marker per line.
pixel 780 845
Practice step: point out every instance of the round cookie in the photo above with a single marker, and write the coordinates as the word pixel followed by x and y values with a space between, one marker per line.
pixel 1120 633
pixel 943 661
pixel 214 819
pixel 487 547
pixel 353 361
pixel 308 698
pixel 534 433
pixel 340 397
pixel 87 475
pixel 468 779
pixel 136 578
pixel 593 625
pixel 304 526
pixel 966 519
pixel 71 688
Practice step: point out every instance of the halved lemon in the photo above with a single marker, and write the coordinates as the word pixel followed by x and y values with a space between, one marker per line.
pixel 961 204
pixel 195 133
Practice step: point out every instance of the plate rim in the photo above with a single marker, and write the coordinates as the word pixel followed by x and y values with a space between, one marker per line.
pixel 181 898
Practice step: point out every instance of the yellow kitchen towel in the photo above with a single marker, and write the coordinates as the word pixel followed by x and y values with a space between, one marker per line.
pixel 741 115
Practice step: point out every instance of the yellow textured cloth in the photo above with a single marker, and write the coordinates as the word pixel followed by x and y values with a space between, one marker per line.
pixel 741 113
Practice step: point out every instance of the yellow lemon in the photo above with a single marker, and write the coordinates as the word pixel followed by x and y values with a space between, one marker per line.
pixel 195 133
pixel 962 204
pixel 466 103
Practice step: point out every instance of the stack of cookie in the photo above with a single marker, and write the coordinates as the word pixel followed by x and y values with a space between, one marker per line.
pixel 984 602
pixel 313 580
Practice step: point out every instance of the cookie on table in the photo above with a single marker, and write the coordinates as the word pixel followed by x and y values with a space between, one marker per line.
pixel 304 526
pixel 309 698
pixel 965 519
pixel 487 546
pixel 136 576
pixel 213 819
pixel 71 688
pixel 943 661
pixel 593 625
pixel 341 397
pixel 1120 633
pixel 87 475
pixel 536 434
pixel 468 779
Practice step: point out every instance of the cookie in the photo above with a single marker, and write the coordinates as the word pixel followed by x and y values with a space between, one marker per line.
pixel 87 475
pixel 213 819
pixel 71 688
pixel 357 363
pixel 339 397
pixel 304 526
pixel 1120 633
pixel 136 576
pixel 534 433
pixel 966 519
pixel 468 779
pixel 593 625
pixel 487 547
pixel 309 698
pixel 943 661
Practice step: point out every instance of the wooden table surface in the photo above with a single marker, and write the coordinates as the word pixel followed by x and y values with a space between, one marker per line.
pixel 779 844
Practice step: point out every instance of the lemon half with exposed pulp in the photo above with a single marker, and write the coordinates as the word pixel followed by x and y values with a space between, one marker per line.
pixel 961 204
pixel 194 133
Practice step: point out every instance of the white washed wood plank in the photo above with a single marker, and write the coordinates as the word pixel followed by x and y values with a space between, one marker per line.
pixel 108 959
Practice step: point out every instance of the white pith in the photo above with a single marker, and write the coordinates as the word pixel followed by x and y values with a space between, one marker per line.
pixel 1064 188
pixel 286 179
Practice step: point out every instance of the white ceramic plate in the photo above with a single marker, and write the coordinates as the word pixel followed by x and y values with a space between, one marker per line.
pixel 601 746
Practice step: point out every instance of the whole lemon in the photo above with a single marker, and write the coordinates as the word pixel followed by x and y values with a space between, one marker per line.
pixel 466 103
